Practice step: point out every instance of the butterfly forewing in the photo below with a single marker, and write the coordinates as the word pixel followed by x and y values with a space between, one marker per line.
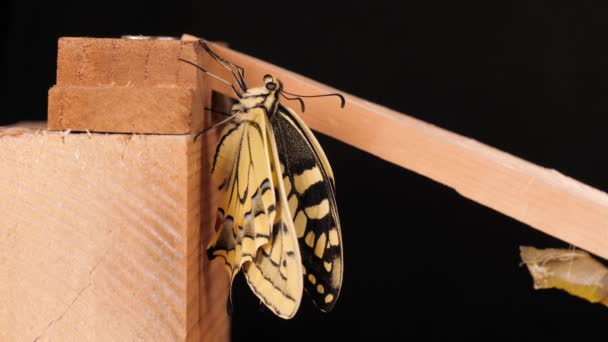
pixel 310 191
pixel 245 215
pixel 255 231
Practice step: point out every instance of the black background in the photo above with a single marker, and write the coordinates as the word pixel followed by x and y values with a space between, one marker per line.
pixel 527 77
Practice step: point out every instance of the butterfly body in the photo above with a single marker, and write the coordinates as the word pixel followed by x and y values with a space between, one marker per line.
pixel 277 217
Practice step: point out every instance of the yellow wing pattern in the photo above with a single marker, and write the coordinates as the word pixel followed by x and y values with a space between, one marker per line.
pixel 277 218
pixel 255 232
pixel 310 190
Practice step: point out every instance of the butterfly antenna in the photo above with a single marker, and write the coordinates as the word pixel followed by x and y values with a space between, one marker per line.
pixel 239 76
pixel 342 99
pixel 212 75
pixel 295 98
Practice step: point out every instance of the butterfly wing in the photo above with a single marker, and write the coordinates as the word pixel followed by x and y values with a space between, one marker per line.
pixel 254 231
pixel 310 190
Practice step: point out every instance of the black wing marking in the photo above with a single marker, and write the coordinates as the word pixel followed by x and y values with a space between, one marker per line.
pixel 309 186
pixel 254 230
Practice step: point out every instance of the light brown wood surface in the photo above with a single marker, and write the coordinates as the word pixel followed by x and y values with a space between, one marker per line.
pixel 125 109
pixel 540 197
pixel 124 85
pixel 101 238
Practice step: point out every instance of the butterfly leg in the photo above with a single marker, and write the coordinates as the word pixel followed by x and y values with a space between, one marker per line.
pixel 229 118
pixel 239 76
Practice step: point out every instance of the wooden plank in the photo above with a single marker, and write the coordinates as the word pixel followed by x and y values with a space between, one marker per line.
pixel 125 62
pixel 101 238
pixel 126 85
pixel 540 197
pixel 126 109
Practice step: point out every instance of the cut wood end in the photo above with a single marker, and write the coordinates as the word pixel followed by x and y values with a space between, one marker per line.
pixel 22 128
pixel 157 110
pixel 189 38
pixel 127 86
pixel 125 62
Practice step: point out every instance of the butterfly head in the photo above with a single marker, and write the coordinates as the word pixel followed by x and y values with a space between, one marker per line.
pixel 272 84
pixel 266 96
pixel 272 88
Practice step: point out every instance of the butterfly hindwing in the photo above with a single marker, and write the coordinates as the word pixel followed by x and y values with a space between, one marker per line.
pixel 254 227
pixel 310 191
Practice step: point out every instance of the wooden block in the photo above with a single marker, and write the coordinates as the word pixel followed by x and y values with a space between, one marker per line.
pixel 125 85
pixel 123 62
pixel 101 238
pixel 125 109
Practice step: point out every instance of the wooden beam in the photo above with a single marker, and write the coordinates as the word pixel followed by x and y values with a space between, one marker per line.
pixel 101 238
pixel 124 109
pixel 125 85
pixel 540 197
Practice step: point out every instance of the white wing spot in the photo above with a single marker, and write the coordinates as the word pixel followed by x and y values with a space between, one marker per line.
pixel 320 246
pixel 333 237
pixel 318 211
pixel 306 179
pixel 310 239
pixel 300 223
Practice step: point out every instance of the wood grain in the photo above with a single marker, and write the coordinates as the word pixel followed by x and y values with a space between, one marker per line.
pixel 126 109
pixel 101 238
pixel 125 85
pixel 123 62
pixel 540 197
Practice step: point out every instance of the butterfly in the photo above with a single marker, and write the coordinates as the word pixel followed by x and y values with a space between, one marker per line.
pixel 277 219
